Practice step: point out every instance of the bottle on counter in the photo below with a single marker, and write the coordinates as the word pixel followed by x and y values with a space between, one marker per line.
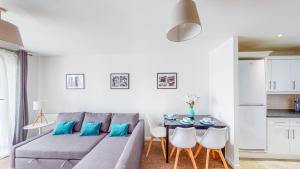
pixel 296 105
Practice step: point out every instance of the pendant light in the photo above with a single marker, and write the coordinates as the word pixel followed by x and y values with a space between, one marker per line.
pixel 185 23
pixel 9 34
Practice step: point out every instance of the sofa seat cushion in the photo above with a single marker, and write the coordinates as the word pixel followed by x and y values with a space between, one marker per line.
pixel 108 150
pixel 72 146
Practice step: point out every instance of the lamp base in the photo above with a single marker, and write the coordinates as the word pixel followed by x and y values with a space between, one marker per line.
pixel 39 118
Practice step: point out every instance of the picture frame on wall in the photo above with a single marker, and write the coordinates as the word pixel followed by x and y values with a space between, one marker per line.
pixel 119 81
pixel 167 80
pixel 75 81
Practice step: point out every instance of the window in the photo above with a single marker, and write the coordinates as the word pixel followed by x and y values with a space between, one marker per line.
pixel 8 82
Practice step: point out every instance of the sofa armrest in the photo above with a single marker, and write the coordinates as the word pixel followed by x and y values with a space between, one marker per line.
pixel 13 149
pixel 132 153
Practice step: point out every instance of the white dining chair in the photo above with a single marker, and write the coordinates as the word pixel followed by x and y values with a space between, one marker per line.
pixel 183 139
pixel 214 140
pixel 156 131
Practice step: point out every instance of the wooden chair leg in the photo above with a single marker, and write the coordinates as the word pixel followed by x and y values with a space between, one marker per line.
pixel 192 158
pixel 173 151
pixel 149 146
pixel 213 154
pixel 198 151
pixel 223 159
pixel 176 159
pixel 164 141
pixel 163 147
pixel 207 158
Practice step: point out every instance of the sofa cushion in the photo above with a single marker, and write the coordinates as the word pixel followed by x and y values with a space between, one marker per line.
pixel 90 128
pixel 105 155
pixel 119 129
pixel 77 117
pixel 71 146
pixel 64 127
pixel 104 118
pixel 130 118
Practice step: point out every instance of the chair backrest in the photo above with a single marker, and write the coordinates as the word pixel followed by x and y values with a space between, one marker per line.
pixel 184 137
pixel 150 122
pixel 215 138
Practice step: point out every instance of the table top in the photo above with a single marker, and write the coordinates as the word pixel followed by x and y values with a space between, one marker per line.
pixel 172 124
pixel 38 125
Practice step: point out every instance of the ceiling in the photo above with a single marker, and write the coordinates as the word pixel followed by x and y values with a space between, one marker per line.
pixel 271 43
pixel 69 27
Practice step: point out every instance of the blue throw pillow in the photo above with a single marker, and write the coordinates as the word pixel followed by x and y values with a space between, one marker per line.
pixel 119 129
pixel 64 127
pixel 90 129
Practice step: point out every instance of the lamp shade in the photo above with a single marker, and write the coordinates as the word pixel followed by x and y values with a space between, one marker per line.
pixel 10 37
pixel 185 23
pixel 37 105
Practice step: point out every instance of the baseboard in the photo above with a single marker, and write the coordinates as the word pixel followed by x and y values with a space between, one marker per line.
pixel 4 156
pixel 148 139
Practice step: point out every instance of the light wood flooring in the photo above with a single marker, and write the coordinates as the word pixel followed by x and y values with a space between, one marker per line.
pixel 269 164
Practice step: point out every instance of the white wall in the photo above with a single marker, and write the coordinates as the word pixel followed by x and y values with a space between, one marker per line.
pixel 223 92
pixel 143 97
pixel 32 88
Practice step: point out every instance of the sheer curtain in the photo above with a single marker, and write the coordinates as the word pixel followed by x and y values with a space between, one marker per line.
pixel 8 86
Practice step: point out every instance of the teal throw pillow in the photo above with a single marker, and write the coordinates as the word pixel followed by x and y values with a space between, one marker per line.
pixel 90 129
pixel 119 129
pixel 64 127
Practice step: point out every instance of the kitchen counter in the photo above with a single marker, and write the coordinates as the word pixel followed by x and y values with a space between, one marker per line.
pixel 282 113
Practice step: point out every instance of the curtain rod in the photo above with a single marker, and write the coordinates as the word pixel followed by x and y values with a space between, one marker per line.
pixel 15 51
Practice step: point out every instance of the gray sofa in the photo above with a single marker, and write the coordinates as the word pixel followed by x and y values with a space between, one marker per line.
pixel 84 152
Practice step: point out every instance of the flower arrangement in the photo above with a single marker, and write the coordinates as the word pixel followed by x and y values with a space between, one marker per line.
pixel 191 101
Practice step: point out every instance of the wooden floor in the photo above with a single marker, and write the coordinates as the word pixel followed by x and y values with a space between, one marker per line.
pixel 156 161
pixel 269 164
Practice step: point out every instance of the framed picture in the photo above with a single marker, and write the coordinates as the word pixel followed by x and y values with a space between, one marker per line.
pixel 75 81
pixel 166 80
pixel 119 80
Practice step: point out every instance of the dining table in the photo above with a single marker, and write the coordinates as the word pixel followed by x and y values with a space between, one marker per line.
pixel 173 123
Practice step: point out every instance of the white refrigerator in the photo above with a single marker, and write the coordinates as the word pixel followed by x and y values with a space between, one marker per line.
pixel 252 108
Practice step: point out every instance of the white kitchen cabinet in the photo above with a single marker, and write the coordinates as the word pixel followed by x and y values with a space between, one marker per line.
pixel 268 66
pixel 282 75
pixel 295 141
pixel 284 136
pixel 278 142
pixel 295 75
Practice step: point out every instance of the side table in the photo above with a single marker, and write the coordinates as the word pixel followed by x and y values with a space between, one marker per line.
pixel 38 126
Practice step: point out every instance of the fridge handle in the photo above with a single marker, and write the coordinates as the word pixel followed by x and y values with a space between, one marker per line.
pixel 294 84
pixel 270 85
pixel 274 85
